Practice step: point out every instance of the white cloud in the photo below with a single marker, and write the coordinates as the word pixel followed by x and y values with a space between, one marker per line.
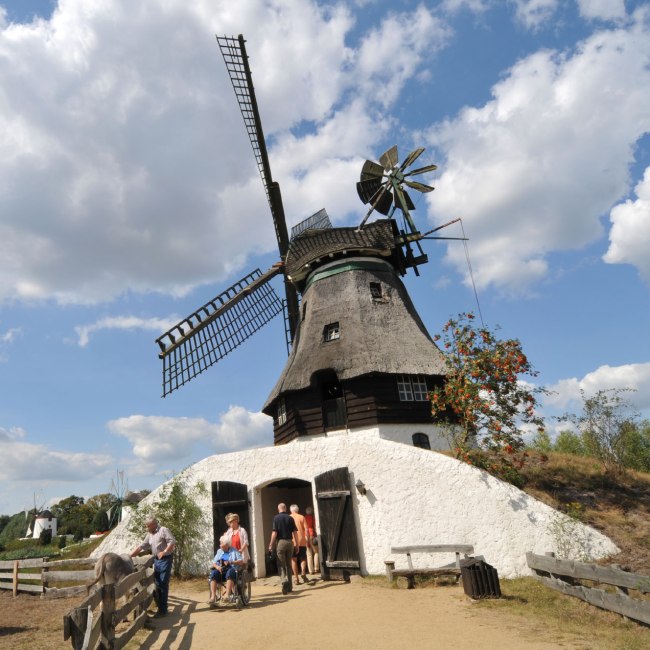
pixel 602 9
pixel 10 335
pixel 475 6
pixel 126 123
pixel 629 237
pixel 157 439
pixel 636 376
pixel 12 434
pixel 534 170
pixel 24 461
pixel 123 323
pixel 390 54
pixel 532 13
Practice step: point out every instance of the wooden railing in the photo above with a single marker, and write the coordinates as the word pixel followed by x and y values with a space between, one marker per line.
pixel 564 575
pixel 94 621
pixel 44 577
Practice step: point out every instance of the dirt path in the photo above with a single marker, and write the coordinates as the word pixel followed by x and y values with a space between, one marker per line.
pixel 355 616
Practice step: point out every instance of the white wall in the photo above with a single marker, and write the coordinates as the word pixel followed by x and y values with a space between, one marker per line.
pixel 44 524
pixel 414 496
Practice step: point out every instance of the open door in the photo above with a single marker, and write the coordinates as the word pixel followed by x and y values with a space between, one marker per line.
pixel 228 497
pixel 339 546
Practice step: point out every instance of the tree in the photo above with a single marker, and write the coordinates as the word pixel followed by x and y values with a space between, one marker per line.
pixel 71 516
pixel 483 400
pixel 637 445
pixel 568 442
pixel 100 521
pixel 16 528
pixel 542 442
pixel 45 538
pixel 609 430
pixel 4 520
pixel 177 509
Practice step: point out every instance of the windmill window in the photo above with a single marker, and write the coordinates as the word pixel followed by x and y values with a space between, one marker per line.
pixel 282 412
pixel 304 310
pixel 331 332
pixel 421 440
pixel 375 290
pixel 412 388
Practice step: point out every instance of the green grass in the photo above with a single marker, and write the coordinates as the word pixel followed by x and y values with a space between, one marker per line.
pixel 560 614
pixel 26 549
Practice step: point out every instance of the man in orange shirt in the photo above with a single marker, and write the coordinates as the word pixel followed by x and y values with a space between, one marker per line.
pixel 301 556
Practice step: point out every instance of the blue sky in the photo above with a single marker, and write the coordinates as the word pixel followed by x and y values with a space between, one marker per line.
pixel 129 197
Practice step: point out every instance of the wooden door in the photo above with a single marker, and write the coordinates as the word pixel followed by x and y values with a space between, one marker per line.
pixel 228 497
pixel 339 547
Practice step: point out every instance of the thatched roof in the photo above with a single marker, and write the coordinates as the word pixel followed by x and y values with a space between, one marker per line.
pixel 377 334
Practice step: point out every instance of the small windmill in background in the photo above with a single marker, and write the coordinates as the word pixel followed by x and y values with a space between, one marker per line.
pixel 119 488
pixel 31 514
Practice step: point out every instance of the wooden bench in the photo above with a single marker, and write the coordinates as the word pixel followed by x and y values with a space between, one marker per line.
pixel 452 569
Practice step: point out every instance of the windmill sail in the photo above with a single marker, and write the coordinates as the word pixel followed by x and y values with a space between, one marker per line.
pixel 236 60
pixel 216 329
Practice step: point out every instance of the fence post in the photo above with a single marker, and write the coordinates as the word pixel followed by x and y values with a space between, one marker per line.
pixel 15 578
pixel 44 574
pixel 108 607
pixel 78 626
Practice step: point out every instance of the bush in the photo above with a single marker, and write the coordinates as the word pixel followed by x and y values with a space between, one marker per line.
pixel 568 442
pixel 62 541
pixel 100 521
pixel 45 538
pixel 78 535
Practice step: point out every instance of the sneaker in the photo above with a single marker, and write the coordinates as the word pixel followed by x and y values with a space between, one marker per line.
pixel 160 614
pixel 285 588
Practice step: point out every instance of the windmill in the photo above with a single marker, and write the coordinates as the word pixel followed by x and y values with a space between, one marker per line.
pixel 119 487
pixel 359 352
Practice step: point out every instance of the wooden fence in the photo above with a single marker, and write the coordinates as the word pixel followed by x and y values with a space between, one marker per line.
pixel 94 621
pixel 564 575
pixel 40 576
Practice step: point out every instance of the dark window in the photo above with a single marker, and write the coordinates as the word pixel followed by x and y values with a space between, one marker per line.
pixel 375 290
pixel 412 388
pixel 282 411
pixel 333 400
pixel 304 310
pixel 421 440
pixel 331 332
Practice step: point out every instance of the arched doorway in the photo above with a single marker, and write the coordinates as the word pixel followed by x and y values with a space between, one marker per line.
pixel 287 491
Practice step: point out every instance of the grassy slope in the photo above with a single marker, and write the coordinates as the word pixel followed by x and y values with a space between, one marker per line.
pixel 619 506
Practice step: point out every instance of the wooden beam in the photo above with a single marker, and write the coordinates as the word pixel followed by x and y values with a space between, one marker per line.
pixel 602 574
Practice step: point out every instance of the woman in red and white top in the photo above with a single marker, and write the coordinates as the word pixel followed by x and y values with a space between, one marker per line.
pixel 237 536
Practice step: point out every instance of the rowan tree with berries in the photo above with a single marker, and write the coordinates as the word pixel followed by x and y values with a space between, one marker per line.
pixel 484 403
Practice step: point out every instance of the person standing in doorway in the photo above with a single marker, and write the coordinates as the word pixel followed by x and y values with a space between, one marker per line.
pixel 285 535
pixel 161 543
pixel 299 559
pixel 312 552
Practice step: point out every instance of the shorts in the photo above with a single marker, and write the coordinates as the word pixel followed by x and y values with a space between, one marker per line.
pixel 302 553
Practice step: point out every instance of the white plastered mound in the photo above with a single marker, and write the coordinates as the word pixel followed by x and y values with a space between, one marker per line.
pixel 414 497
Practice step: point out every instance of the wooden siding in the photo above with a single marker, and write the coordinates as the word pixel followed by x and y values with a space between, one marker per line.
pixel 370 400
